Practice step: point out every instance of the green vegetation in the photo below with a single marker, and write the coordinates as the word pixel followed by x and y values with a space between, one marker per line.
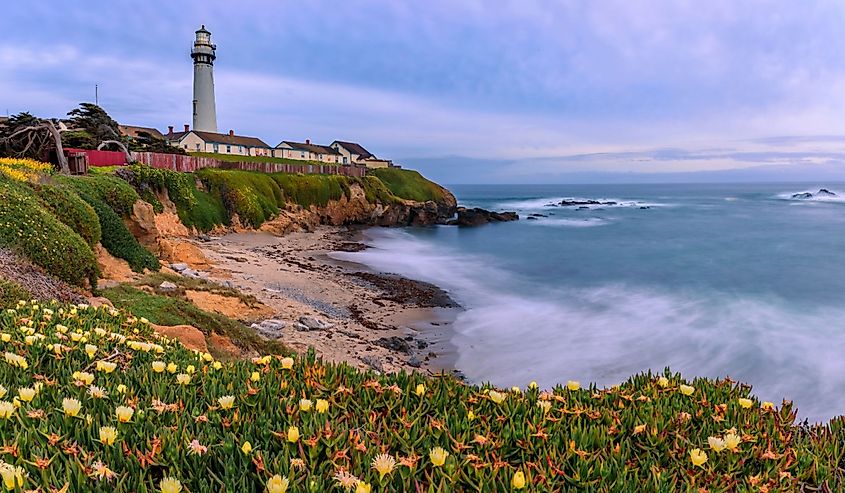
pixel 154 279
pixel 409 184
pixel 307 190
pixel 28 227
pixel 254 197
pixel 173 310
pixel 117 239
pixel 234 158
pixel 117 193
pixel 70 209
pixel 11 292
pixel 208 212
pixel 235 426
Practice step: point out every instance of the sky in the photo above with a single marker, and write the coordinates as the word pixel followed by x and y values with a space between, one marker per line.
pixel 468 91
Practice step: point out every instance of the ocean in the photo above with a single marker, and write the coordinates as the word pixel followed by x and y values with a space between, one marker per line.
pixel 711 280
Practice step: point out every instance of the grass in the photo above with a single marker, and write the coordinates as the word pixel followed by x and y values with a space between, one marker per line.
pixel 11 292
pixel 316 424
pixel 174 310
pixel 232 158
pixel 254 197
pixel 409 184
pixel 70 209
pixel 117 193
pixel 308 190
pixel 32 230
pixel 154 279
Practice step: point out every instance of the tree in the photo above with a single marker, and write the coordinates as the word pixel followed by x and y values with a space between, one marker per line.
pixel 28 136
pixel 102 128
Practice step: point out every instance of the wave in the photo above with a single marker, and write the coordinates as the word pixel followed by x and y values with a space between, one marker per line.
pixel 513 331
pixel 815 196
pixel 570 223
pixel 547 203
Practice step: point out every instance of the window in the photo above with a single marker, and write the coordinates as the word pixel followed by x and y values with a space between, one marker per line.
pixel 302 155
pixel 228 149
pixel 198 147
pixel 345 160
pixel 186 146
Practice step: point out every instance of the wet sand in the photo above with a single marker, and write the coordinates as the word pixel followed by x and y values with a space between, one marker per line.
pixel 380 321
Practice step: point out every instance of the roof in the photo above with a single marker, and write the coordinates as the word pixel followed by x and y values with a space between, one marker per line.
pixel 355 149
pixel 315 148
pixel 134 131
pixel 237 140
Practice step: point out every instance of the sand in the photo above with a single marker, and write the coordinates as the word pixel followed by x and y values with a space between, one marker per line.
pixel 383 323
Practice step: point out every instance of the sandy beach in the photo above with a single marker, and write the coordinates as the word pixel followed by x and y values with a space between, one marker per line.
pixel 379 321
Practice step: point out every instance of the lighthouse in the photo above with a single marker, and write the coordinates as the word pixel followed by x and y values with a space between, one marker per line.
pixel 203 53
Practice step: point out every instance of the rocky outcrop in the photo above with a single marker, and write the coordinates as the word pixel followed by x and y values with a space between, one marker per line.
pixel 142 224
pixel 477 216
pixel 190 337
pixel 823 192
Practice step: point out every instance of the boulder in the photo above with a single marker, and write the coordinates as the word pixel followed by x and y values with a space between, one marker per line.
pixel 142 224
pixel 826 193
pixel 477 216
pixel 270 329
pixel 190 336
pixel 167 287
pixel 179 266
pixel 802 195
pixel 315 323
pixel 394 343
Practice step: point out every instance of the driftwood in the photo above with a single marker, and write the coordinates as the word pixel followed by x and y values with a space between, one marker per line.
pixel 118 144
pixel 32 131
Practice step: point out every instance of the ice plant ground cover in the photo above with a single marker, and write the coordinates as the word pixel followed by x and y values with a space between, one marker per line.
pixel 94 400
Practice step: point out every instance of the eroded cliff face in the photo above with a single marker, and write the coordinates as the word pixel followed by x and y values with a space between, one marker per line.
pixel 355 209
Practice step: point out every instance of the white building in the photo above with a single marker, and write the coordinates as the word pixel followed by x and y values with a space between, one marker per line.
pixel 306 151
pixel 204 108
pixel 199 141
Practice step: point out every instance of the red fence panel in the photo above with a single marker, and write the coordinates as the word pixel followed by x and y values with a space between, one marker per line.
pixel 188 164
pixel 101 158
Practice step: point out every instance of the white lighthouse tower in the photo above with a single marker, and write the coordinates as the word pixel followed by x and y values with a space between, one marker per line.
pixel 205 112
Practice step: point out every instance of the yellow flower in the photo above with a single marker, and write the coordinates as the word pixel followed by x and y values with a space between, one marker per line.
pixel 716 444
pixel 217 365
pixel 573 385
pixel 767 406
pixel 190 370
pixel 207 357
pixel 106 366
pixel 287 363
pixel 277 484
pixel 745 403
pixel 83 377
pixel 71 407
pixel 124 414
pixel 362 487
pixel 6 409
pixel 322 406
pixel 518 481
pixel 384 464
pixel 686 389
pixel 170 485
pixel 3 391
pixel 121 388
pixel 172 367
pixel 732 441
pixel 470 415
pixel 226 402
pixel 697 456
pixel 159 366
pixel 544 405
pixel 305 405
pixel 516 390
pixel 183 379
pixel 438 456
pixel 144 321
pixel 497 397
pixel 6 337
pixel 108 435
pixel 420 390
pixel 91 350
pixel 12 476
pixel 75 336
pixel 255 376
pixel 26 394
pixel 293 434
pixel 663 382
pixel 246 448
pixel 533 385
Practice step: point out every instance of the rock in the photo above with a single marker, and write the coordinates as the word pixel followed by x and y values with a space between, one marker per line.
pixel 179 266
pixel 97 301
pixel 183 252
pixel 270 329
pixel 802 195
pixel 570 203
pixel 228 284
pixel 414 362
pixel 537 215
pixel 315 323
pixel 300 327
pixel 142 224
pixel 167 287
pixel 421 344
pixel 373 363
pixel 826 192
pixel 477 216
pixel 394 343
pixel 223 345
pixel 190 337
pixel 531 218
pixel 191 273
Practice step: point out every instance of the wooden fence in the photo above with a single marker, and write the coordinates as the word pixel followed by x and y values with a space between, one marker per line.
pixel 187 164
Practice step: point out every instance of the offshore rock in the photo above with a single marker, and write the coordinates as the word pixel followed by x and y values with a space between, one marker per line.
pixel 477 216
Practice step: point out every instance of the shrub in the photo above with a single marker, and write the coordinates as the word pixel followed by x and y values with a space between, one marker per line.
pixel 179 186
pixel 254 197
pixel 31 229
pixel 70 209
pixel 307 190
pixel 409 184
pixel 23 169
pixel 12 292
pixel 117 239
pixel 110 189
